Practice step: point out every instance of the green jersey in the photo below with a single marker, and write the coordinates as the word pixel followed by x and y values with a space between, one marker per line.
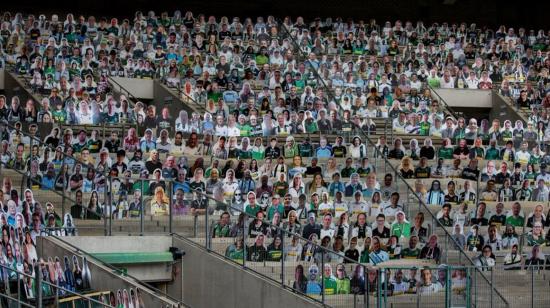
pixel 291 152
pixel 221 231
pixel 306 150
pixel 403 229
pixel 311 126
pixel 244 154
pixel 424 128
pixel 342 286
pixel 274 255
pixel 434 82
pixel 94 146
pixel 515 221
pixel 445 153
pixel 252 211
pixel 492 154
pixel 237 255
pixel 246 130
pixel 409 253
pixel 77 147
pixel 59 116
pixel 271 211
pixel 330 285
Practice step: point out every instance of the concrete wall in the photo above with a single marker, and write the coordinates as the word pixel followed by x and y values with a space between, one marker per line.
pixel 140 88
pixel 466 97
pixel 479 104
pixel 2 77
pixel 103 244
pixel 103 277
pixel 12 87
pixel 209 281
pixel 502 110
pixel 146 272
pixel 167 98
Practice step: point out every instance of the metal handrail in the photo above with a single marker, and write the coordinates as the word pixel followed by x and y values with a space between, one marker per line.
pixel 180 93
pixel 62 195
pixel 377 150
pixel 18 301
pixel 324 250
pixel 132 99
pixel 134 281
pixel 42 143
pixel 447 107
pixel 448 235
pixel 434 218
pixel 297 46
pixel 37 270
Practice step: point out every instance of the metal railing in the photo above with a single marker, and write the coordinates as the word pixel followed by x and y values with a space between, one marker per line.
pixel 397 174
pixel 435 222
pixel 104 129
pixel 66 162
pixel 64 199
pixel 184 97
pixel 117 273
pixel 409 189
pixel 34 285
pixel 279 264
pixel 448 108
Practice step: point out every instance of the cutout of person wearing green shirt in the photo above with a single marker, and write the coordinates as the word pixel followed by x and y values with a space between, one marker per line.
pixel 516 219
pixel 236 251
pixel 342 280
pixel 330 284
pixel 400 227
pixel 446 149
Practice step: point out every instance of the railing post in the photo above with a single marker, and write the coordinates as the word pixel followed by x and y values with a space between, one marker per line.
pixel 448 287
pixel 103 126
pixel 38 275
pixel 195 225
pixel 322 269
pixel 106 223
pixel 417 299
pixel 245 248
pixel 392 136
pixel 386 130
pixel 283 259
pixel 19 289
pixel 206 236
pixel 110 199
pixel 532 287
pixel 385 285
pixel 57 293
pixel 475 286
pixel 366 297
pixel 378 288
pixel 477 190
pixel 170 200
pixel 468 287
pixel 124 126
pixel 64 190
pixel 31 139
pixel 446 249
pixel 492 287
pixel 141 210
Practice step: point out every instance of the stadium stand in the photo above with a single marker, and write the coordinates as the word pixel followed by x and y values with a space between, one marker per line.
pixel 322 143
